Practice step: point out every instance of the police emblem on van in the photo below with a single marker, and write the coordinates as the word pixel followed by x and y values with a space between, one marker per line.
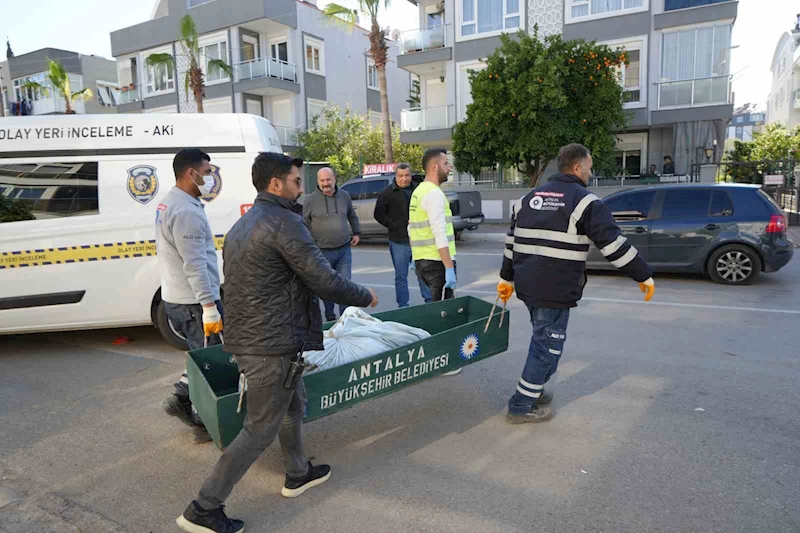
pixel 142 183
pixel 217 187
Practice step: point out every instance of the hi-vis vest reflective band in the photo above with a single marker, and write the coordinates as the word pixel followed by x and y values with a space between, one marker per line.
pixel 420 234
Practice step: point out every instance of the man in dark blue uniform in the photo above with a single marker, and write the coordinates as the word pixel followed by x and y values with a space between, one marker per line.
pixel 545 260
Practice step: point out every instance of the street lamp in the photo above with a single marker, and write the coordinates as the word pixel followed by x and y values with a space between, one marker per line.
pixel 709 153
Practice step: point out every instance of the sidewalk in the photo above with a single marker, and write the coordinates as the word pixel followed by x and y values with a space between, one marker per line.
pixel 497 233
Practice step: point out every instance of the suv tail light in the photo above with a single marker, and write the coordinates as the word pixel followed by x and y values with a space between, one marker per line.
pixel 777 224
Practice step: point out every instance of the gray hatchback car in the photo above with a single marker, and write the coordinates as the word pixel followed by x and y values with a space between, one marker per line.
pixel 732 233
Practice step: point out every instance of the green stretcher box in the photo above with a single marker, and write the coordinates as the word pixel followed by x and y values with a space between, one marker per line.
pixel 457 339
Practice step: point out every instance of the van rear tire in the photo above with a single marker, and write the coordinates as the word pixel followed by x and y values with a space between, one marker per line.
pixel 167 331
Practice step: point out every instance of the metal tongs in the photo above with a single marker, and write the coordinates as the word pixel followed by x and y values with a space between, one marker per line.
pixel 502 315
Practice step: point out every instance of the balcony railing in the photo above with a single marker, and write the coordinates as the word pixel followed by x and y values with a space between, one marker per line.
pixel 713 90
pixel 265 68
pixel 129 94
pixel 427 118
pixel 286 135
pixel 423 39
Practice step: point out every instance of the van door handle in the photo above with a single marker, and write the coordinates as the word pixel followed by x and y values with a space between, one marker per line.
pixel 640 229
pixel 711 227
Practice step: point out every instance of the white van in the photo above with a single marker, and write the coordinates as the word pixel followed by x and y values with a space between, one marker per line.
pixel 78 249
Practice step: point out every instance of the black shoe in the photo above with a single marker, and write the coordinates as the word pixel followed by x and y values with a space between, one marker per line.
pixel 316 475
pixel 539 414
pixel 197 520
pixel 545 398
pixel 181 408
pixel 200 435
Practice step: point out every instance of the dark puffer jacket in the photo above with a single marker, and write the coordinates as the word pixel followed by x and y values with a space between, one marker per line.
pixel 273 275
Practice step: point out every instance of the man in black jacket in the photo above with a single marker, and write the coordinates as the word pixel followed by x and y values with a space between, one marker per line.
pixel 551 230
pixel 391 210
pixel 273 275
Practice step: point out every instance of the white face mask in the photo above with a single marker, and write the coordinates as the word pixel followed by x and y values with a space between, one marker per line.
pixel 208 184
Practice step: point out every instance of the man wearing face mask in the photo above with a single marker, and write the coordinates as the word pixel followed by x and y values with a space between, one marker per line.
pixel 189 270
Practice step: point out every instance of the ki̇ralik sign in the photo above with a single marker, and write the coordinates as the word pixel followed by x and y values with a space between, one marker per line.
pixel 773 179
pixel 381 168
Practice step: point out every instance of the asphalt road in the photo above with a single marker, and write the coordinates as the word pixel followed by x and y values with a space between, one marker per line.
pixel 679 415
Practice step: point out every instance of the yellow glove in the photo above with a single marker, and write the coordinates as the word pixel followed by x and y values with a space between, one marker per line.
pixel 504 290
pixel 649 288
pixel 212 321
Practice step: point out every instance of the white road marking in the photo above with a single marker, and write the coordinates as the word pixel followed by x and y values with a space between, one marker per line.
pixel 637 302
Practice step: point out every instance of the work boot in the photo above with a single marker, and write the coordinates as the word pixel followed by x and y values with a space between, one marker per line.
pixel 294 487
pixel 538 414
pixel 195 519
pixel 545 398
pixel 181 408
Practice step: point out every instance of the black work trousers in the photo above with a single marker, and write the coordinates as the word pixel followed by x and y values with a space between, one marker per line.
pixel 433 274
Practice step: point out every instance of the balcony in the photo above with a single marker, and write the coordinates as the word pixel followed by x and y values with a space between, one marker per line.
pixel 427 125
pixel 266 76
pixel 671 5
pixel 287 135
pixel 713 90
pixel 265 68
pixel 129 94
pixel 422 51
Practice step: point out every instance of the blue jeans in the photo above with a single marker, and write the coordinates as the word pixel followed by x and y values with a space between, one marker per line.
pixel 401 257
pixel 544 352
pixel 188 321
pixel 341 260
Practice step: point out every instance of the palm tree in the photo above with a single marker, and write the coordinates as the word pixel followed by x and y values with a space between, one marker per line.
pixel 194 76
pixel 59 80
pixel 378 51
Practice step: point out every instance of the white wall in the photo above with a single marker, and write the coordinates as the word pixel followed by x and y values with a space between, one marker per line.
pixel 784 80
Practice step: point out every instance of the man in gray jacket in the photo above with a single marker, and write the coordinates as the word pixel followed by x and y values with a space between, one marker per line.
pixel 187 256
pixel 329 213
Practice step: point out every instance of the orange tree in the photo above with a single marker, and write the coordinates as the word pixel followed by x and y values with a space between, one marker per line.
pixel 536 95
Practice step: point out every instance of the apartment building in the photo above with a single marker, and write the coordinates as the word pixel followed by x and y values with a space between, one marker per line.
pixel 784 98
pixel 288 61
pixel 97 73
pixel 677 85
pixel 743 125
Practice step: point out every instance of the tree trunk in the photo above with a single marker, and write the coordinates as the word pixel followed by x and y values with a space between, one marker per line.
pixel 386 120
pixel 68 105
pixel 197 85
pixel 378 51
pixel 535 171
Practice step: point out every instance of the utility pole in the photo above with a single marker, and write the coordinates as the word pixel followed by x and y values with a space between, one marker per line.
pixel 2 95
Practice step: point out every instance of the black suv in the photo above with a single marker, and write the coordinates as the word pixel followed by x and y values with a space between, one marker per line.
pixel 733 233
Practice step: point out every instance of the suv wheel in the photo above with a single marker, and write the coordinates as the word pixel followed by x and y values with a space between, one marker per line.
pixel 167 330
pixel 734 264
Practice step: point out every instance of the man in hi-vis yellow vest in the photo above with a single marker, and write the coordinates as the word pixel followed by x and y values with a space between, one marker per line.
pixel 430 228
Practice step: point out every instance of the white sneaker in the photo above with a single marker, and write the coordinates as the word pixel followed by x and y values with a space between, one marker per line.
pixel 452 372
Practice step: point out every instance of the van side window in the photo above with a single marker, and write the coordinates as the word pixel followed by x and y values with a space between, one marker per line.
pixel 34 191
pixel 354 189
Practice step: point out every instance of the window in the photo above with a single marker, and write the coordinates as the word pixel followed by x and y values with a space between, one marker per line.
pixel 315 56
pixel 739 132
pixel 583 9
pixel 739 120
pixel 372 75
pixel 194 3
pixel 279 51
pixel 354 189
pixel 721 204
pixel 695 65
pixel 686 203
pixel 210 52
pixel 489 16
pixel 160 78
pixel 107 96
pixel 51 190
pixel 31 93
pixel 629 162
pixel 315 108
pixel 373 188
pixel 250 49
pixel 631 206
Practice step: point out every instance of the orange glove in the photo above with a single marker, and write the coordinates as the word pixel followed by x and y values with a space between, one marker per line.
pixel 212 320
pixel 504 290
pixel 649 288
